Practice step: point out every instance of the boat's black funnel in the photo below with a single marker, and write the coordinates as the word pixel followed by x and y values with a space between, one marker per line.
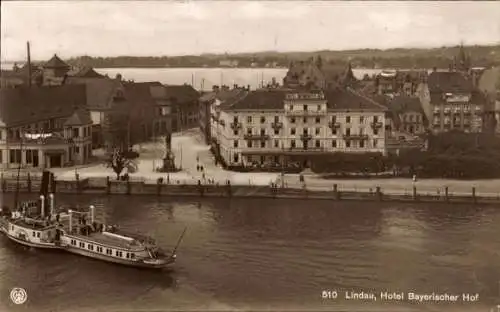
pixel 44 190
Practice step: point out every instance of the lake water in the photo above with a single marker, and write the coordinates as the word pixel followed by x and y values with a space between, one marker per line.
pixel 205 78
pixel 246 254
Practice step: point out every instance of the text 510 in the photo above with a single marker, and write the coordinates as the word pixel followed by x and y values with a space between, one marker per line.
pixel 329 294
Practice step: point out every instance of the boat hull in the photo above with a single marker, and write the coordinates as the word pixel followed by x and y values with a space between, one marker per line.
pixel 130 263
pixel 31 244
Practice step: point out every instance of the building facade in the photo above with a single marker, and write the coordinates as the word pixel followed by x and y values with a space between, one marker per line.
pixel 450 102
pixel 44 127
pixel 271 127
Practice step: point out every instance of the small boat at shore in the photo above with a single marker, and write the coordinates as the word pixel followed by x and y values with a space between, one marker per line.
pixel 33 226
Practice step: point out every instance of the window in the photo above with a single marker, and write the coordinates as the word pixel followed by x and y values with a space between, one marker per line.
pixel 375 119
pixel 317 131
pixel 305 107
pixel 91 247
pixel 75 132
pixel 262 144
pixel 292 120
pixel 318 120
pixel 347 143
pixel 249 119
pixel 334 119
pixel 292 131
pixel 82 245
pixel 334 143
pixel 375 143
pixel 249 143
pixel 235 119
pixel 262 119
pixel 235 143
pixel 15 156
pixel 319 108
pixel 292 144
pixel 375 131
pixel 334 131
pixel 235 158
pixel 262 131
pixel 348 132
pixel 276 143
pixel 249 131
pixel 132 255
pixel 276 131
pixel 362 143
pixel 109 251
pixel 291 107
pixel 276 119
pixel 361 119
pixel 361 131
pixel 304 131
pixel 304 120
pixel 235 132
pixel 348 119
pixel 318 143
pixel 38 234
pixel 127 255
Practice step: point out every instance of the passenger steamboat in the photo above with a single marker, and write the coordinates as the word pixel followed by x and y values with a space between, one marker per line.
pixel 32 225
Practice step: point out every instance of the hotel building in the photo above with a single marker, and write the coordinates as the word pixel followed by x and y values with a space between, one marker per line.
pixel 272 126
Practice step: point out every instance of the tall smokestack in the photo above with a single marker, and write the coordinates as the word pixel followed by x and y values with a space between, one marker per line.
pixel 29 63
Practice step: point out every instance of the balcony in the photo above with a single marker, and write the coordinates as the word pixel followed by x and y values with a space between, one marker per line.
pixel 376 124
pixel 355 137
pixel 305 137
pixel 256 137
pixel 334 125
pixel 236 125
pixel 277 125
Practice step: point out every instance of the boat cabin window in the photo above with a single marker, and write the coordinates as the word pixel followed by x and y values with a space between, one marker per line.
pixel 119 254
pixel 128 255
pixel 99 249
pixel 109 251
pixel 132 255
pixel 91 247
pixel 73 242
pixel 38 234
pixel 33 234
pixel 82 245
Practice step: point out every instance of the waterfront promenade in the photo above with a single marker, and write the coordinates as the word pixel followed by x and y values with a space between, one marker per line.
pixel 190 151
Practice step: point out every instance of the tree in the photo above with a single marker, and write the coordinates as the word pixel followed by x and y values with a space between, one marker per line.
pixel 118 160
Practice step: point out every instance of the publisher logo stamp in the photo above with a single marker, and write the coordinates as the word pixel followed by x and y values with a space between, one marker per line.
pixel 18 295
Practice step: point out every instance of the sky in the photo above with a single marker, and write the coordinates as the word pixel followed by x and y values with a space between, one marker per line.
pixel 142 28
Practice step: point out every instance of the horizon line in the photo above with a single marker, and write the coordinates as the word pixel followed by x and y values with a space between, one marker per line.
pixel 275 51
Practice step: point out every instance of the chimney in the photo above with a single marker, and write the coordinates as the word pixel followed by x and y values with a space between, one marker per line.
pixel 29 63
pixel 434 69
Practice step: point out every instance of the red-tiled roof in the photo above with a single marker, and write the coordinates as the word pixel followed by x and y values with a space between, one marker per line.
pixel 25 105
